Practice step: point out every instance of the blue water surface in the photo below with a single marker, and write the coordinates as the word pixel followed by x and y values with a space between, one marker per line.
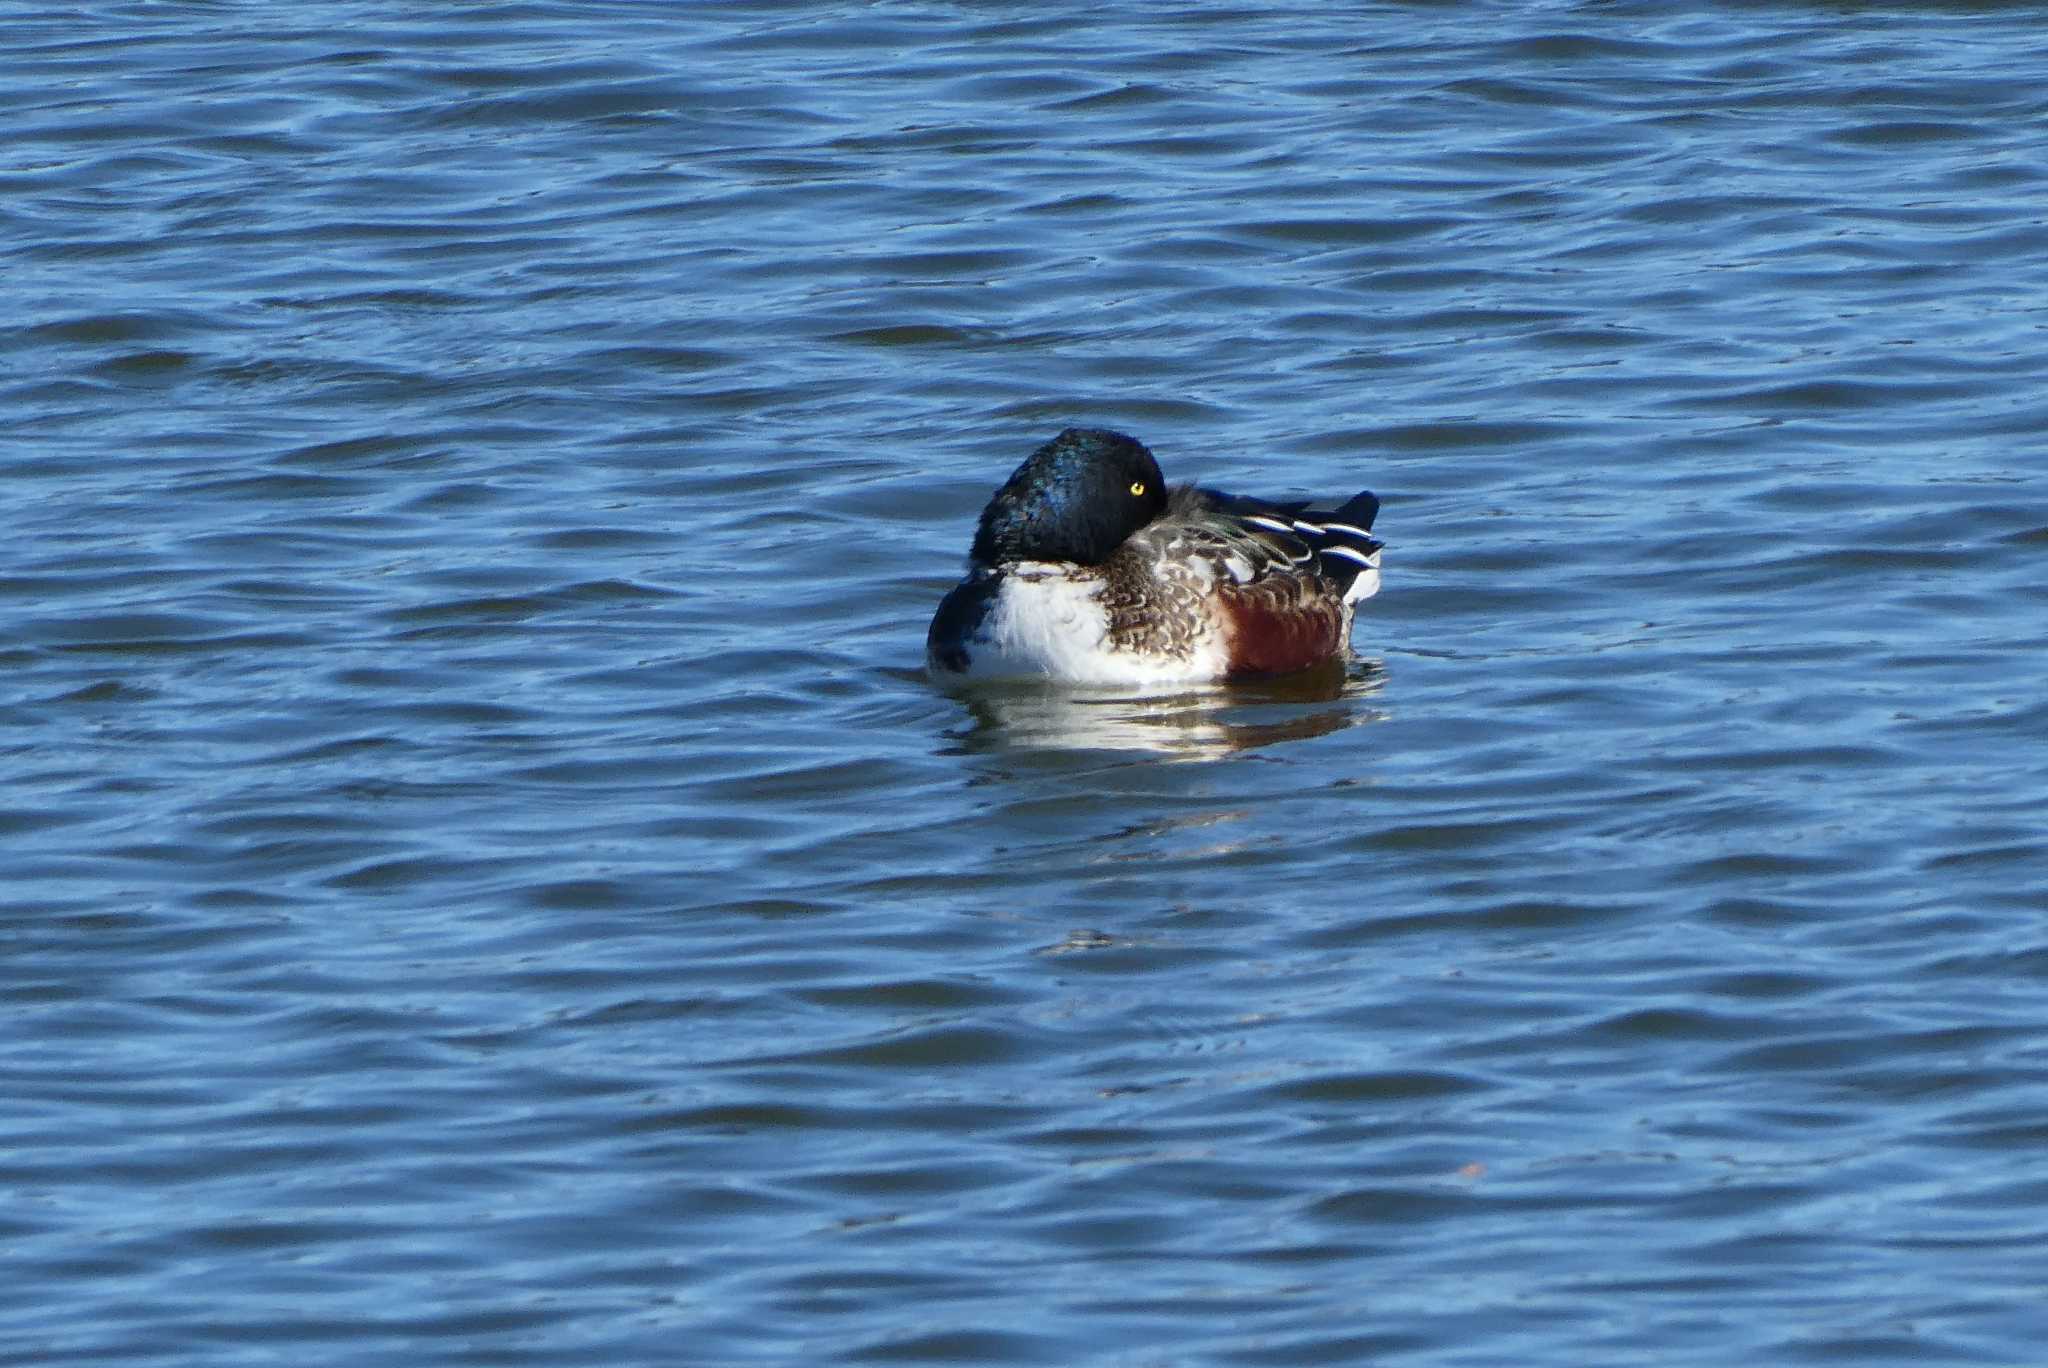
pixel 485 880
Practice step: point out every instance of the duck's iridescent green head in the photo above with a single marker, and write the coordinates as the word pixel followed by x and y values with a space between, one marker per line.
pixel 1075 499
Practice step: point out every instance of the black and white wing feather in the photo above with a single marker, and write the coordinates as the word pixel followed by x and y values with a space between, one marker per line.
pixel 1339 541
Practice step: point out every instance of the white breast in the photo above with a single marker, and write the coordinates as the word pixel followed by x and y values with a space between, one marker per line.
pixel 1047 622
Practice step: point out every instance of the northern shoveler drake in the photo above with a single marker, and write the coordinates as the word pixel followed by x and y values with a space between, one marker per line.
pixel 1086 568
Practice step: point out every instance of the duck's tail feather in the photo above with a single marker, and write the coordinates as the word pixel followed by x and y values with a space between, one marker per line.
pixel 1345 547
pixel 1339 539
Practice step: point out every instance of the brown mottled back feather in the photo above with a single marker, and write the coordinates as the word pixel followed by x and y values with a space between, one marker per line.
pixel 1153 608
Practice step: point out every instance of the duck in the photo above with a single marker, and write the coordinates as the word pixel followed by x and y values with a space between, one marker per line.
pixel 1088 569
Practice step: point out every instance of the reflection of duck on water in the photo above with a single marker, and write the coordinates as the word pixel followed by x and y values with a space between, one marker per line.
pixel 1086 569
pixel 1200 724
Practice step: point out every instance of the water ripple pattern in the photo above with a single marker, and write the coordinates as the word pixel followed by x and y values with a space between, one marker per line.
pixel 485 881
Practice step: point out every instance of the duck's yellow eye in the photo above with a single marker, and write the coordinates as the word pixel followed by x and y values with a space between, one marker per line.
pixel 1137 486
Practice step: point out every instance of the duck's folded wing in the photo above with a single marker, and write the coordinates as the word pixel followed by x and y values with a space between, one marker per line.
pixel 1236 541
pixel 1269 536
pixel 1265 583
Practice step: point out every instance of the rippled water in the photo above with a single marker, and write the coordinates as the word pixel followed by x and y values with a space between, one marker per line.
pixel 487 881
